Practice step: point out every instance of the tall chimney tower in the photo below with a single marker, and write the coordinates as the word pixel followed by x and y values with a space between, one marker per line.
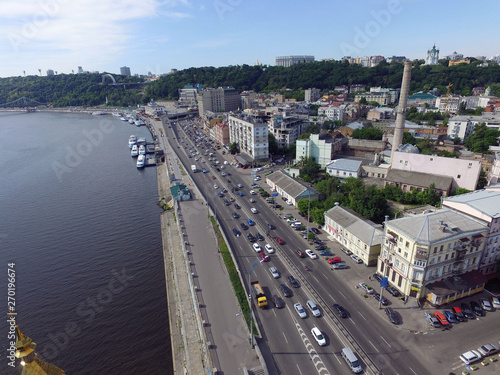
pixel 401 113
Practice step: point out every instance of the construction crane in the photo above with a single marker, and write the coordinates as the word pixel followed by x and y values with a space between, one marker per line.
pixel 447 95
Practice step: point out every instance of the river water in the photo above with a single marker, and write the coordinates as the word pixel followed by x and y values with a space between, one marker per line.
pixel 80 224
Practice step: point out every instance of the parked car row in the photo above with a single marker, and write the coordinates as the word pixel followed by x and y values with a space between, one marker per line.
pixel 483 351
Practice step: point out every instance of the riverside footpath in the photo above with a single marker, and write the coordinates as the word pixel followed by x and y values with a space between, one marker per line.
pixel 207 335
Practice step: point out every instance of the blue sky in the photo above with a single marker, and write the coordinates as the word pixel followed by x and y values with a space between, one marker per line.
pixel 158 35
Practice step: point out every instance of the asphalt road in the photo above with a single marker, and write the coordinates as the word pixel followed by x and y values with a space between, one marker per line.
pixel 379 345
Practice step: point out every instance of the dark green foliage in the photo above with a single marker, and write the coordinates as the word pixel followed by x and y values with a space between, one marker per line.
pixel 234 148
pixel 368 133
pixel 459 191
pixel 482 181
pixel 72 90
pixel 408 138
pixel 311 128
pixel 309 170
pixel 482 139
pixel 273 144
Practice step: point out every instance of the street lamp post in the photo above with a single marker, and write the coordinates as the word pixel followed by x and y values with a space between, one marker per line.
pixel 251 302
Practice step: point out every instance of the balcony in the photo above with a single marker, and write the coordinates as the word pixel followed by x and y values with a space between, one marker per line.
pixel 420 254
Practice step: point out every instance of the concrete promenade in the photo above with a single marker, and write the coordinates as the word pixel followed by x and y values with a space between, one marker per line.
pixel 206 333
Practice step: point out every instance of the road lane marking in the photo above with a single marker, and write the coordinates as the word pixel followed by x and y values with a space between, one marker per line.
pixel 389 345
pixel 373 346
pixel 342 294
pixel 361 315
pixel 285 337
pixel 412 371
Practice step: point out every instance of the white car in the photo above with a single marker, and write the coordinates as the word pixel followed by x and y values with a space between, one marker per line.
pixel 257 178
pixel 254 210
pixel 300 310
pixel 252 200
pixel 318 336
pixel 257 247
pixel 269 249
pixel 216 187
pixel 253 192
pixel 289 203
pixel 311 254
pixel 357 259
pixel 313 308
pixel 470 357
pixel 368 289
pixel 291 220
pixel 240 186
pixel 274 272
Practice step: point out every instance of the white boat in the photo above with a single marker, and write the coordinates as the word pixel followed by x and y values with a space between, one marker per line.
pixel 142 150
pixel 117 114
pixel 141 140
pixel 131 121
pixel 132 140
pixel 123 119
pixel 141 161
pixel 98 113
pixel 134 151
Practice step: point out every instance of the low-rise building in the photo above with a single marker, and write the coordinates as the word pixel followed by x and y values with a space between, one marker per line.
pixel 333 112
pixel 460 126
pixel 422 98
pixel 289 188
pixel 344 168
pixel 408 181
pixel 483 205
pixel 449 103
pixel 321 147
pixel 379 114
pixel 423 249
pixel 221 133
pixel 382 98
pixel 357 234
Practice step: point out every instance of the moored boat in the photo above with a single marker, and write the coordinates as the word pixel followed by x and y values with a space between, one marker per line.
pixel 142 150
pixel 134 151
pixel 141 161
pixel 132 140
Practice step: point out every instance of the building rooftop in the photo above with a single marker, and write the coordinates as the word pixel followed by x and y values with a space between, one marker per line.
pixel 485 201
pixel 288 184
pixel 345 164
pixel 436 226
pixel 366 230
pixel 399 176
pixel 457 284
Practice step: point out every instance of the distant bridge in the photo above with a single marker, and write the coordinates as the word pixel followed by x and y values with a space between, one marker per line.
pixel 114 83
pixel 22 102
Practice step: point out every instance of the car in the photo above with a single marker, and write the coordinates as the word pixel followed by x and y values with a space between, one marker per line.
pixel 204 170
pixel 240 194
pixel 458 314
pixel 278 302
pixel 240 186
pixel 467 311
pixel 252 192
pixel 250 222
pixel 270 226
pixel 274 272
pixel 450 316
pixel 291 220
pixel 244 226
pixel 356 259
pixel 393 315
pixel 311 254
pixel 277 206
pixel 254 210
pixel 237 206
pixel 476 307
pixel 324 252
pixel 382 300
pixel 269 248
pixel 250 237
pixel 339 266
pixel 259 236
pixel 496 302
pixel 393 292
pixel 348 252
pixel 236 232
pixel 488 349
pixel 377 277
pixel 300 310
pixel 300 253
pixel 285 290
pixel 433 321
pixel 442 319
pixel 224 190
pixel 315 231
pixel 226 202
pixel 213 177
pixel 264 257
pixel 321 247
pixel 231 199
pixel 368 289
pixel 318 336
pixel 252 201
pixel 280 241
pixel 334 260
pixel 318 241
pixel 223 174
pixel 313 308
pixel 470 357
pixel 293 282
pixel 290 203
pixel 220 194
pixel 340 310
pixel 257 247
pixel 486 304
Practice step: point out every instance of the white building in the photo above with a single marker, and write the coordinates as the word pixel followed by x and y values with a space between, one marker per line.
pixel 432 56
pixel 286 129
pixel 460 126
pixel 288 61
pixel 321 147
pixel 312 95
pixel 332 112
pixel 251 134
pixel 344 168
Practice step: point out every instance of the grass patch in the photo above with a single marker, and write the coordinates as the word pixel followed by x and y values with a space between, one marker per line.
pixel 233 276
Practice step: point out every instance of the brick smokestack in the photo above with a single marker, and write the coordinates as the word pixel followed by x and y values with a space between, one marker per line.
pixel 401 113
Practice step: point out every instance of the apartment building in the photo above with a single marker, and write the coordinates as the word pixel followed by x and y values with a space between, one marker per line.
pixel 332 112
pixel 423 255
pixel 286 129
pixel 187 95
pixel 460 126
pixel 357 234
pixel 483 205
pixel 449 103
pixel 312 95
pixel 251 134
pixel 321 147
pixel 219 99
pixel 221 133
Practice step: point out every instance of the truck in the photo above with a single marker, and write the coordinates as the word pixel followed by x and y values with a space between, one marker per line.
pixel 193 168
pixel 259 294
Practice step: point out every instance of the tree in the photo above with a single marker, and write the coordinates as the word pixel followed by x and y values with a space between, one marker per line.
pixel 304 136
pixel 368 133
pixel 234 148
pixel 482 181
pixel 426 146
pixel 309 169
pixel 311 128
pixel 459 191
pixel 273 144
pixel 482 139
pixel 408 138
pixel 363 100
pixel 456 140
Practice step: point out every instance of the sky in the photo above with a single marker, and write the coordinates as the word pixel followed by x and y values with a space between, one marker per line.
pixel 159 35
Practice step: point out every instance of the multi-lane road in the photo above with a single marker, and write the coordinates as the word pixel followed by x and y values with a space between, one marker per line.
pixel 381 347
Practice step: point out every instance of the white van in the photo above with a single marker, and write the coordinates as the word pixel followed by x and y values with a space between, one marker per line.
pixel 351 360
